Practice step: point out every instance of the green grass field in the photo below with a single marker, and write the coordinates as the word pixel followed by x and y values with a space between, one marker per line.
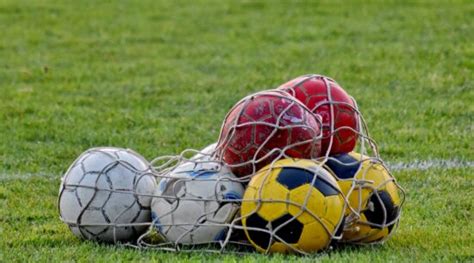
pixel 159 76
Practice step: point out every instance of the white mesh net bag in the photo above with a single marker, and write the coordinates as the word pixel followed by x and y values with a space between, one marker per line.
pixel 286 175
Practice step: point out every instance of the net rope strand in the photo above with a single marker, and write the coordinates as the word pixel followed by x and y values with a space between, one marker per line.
pixel 164 168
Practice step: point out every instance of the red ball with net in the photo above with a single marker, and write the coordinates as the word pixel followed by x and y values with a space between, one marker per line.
pixel 264 127
pixel 318 93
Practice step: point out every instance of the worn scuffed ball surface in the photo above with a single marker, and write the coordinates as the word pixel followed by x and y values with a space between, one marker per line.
pixel 106 194
pixel 373 197
pixel 318 94
pixel 262 126
pixel 193 204
pixel 294 205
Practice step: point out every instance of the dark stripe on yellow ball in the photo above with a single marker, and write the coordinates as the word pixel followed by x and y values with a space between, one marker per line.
pixel 347 169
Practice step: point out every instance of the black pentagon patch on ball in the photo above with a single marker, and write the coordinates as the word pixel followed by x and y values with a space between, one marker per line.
pixel 261 238
pixel 292 178
pixel 376 215
pixel 347 169
pixel 324 187
pixel 291 230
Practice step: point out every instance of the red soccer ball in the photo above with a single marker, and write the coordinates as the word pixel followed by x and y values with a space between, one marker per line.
pixel 261 127
pixel 312 91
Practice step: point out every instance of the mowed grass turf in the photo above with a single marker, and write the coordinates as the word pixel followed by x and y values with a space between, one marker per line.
pixel 159 76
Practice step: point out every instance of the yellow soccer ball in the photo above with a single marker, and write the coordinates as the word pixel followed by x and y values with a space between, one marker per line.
pixel 373 195
pixel 294 205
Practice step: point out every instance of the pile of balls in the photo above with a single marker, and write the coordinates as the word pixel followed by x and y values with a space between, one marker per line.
pixel 283 176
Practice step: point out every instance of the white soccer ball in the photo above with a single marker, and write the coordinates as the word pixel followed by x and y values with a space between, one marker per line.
pixel 203 157
pixel 205 153
pixel 194 203
pixel 101 196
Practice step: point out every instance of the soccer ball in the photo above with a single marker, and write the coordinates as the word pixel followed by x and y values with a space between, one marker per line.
pixel 262 126
pixel 195 202
pixel 318 93
pixel 202 160
pixel 103 188
pixel 373 197
pixel 292 205
pixel 205 153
